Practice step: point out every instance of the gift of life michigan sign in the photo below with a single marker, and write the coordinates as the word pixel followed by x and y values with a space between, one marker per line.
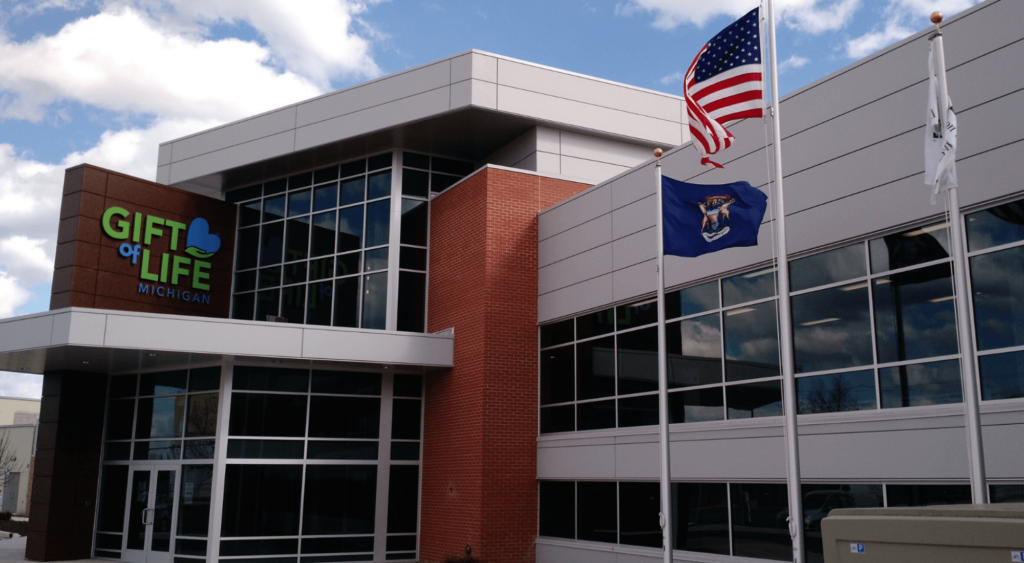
pixel 165 275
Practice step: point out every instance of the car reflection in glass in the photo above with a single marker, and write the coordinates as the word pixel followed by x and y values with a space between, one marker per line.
pixel 817 505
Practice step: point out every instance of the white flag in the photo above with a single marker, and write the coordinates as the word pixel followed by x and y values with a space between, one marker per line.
pixel 939 144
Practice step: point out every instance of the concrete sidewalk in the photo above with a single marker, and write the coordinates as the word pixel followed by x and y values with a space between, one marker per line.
pixel 14 550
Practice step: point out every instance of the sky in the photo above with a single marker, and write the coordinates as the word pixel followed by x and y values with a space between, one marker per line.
pixel 106 81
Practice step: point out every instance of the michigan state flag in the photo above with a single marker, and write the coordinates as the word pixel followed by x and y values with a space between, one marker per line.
pixel 698 219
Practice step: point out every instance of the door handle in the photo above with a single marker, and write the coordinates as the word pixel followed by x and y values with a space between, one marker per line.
pixel 144 510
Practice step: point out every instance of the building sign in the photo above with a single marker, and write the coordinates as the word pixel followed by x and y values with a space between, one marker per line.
pixel 182 272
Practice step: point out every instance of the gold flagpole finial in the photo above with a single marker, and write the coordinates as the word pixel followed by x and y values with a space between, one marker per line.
pixel 657 154
pixel 936 19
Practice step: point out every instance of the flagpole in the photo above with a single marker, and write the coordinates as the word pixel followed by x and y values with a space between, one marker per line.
pixel 666 482
pixel 796 512
pixel 972 414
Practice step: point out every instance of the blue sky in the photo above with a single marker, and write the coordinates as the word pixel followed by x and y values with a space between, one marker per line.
pixel 105 81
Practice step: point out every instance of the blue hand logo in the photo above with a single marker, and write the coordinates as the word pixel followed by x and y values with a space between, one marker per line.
pixel 200 243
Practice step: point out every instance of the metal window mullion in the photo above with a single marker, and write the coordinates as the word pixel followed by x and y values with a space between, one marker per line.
pixel 99 480
pixel 991 249
pixel 874 333
pixel 728 502
pixel 419 464
pixel 220 463
pixel 970 315
pixel 380 526
pixel 394 238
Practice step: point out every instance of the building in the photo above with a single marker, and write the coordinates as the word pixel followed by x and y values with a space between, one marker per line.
pixel 244 361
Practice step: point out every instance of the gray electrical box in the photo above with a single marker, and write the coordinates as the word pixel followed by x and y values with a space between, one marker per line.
pixel 964 533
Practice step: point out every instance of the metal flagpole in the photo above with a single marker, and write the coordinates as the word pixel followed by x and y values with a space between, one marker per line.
pixel 972 414
pixel 666 483
pixel 796 512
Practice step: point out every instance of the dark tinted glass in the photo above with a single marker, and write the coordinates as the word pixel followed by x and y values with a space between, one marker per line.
pixel 408 385
pixel 160 417
pixel 704 526
pixel 344 417
pixel 293 306
pixel 999 298
pixel 692 300
pixel 441 182
pixel 242 194
pixel 414 222
pixel 751 286
pixel 914 314
pixel 299 202
pixel 933 383
pixel 820 500
pixel 297 239
pixel 245 281
pixel 412 258
pixel 202 415
pixel 1002 376
pixel 166 383
pixel 594 416
pixel 378 221
pixel 375 299
pixel 378 185
pixel 273 208
pixel 322 268
pixel 267 303
pixel 376 259
pixel 832 328
pixel 350 228
pixel 300 180
pixel 412 301
pixel 325 175
pixel 204 379
pixel 558 419
pixel 636 314
pixel 265 449
pixel 696 406
pixel 405 419
pixel 348 264
pixel 927 495
pixel 258 378
pixel 557 375
pixel 694 351
pixel 248 247
pixel 353 190
pixel 638 411
pixel 113 487
pixel 836 392
pixel 162 450
pixel 336 545
pixel 199 449
pixel 403 498
pixel 271 243
pixel 595 368
pixel 261 547
pixel 325 197
pixel 261 500
pixel 415 183
pixel 596 512
pixel 342 450
pixel 448 166
pixel 751 342
pixel 556 333
pixel 910 248
pixel 269 277
pixel 249 213
pixel 277 186
pixel 346 382
pixel 1006 493
pixel 346 302
pixel 996 226
pixel 594 324
pixel 754 400
pixel 755 522
pixel 828 267
pixel 639 505
pixel 557 509
pixel 110 541
pixel 323 234
pixel 379 161
pixel 117 451
pixel 254 414
pixel 123 386
pixel 405 451
pixel 243 306
pixel 339 499
pixel 416 160
pixel 353 168
pixel 638 361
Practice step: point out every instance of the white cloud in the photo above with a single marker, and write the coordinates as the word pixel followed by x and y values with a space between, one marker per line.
pixel 901 19
pixel 795 61
pixel 674 77
pixel 25 385
pixel 12 295
pixel 810 16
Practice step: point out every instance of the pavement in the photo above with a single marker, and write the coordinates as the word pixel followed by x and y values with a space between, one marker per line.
pixel 14 550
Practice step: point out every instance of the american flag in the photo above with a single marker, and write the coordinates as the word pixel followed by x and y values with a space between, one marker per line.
pixel 724 84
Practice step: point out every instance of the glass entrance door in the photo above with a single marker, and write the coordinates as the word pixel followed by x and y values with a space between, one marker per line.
pixel 150 514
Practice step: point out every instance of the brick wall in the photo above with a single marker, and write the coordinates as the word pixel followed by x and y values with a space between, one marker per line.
pixel 480 417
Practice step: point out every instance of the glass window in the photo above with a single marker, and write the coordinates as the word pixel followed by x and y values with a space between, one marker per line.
pixel 247 248
pixel 412 258
pixel 337 545
pixel 638 411
pixel 378 221
pixel 350 228
pixel 596 512
pixel 255 414
pixel 297 240
pixel 596 415
pixel 1002 376
pixel 557 377
pixel 927 495
pixel 346 301
pixel 914 315
pixel 441 182
pixel 265 449
pixel 639 505
pixel 416 160
pixel 820 500
pixel 242 194
pixel 348 264
pixel 995 226
pixel 243 306
pixel 405 419
pixel 202 415
pixel 166 383
pixel 556 333
pixel 298 202
pixel 261 500
pixel 194 501
pixel 113 488
pixel 258 378
pixel 295 272
pixel 595 368
pixel 270 277
pixel 293 307
pixel 557 509
pixel 704 526
pixel 751 286
pixel 836 392
pixel 751 342
pixel 694 351
pixel 638 361
pixel 699 405
pixel 412 301
pixel 245 281
pixel 692 300
pixel 376 259
pixel 756 512
pixel 636 314
pixel 204 379
pixel 325 197
pixel 378 161
pixel 414 222
pixel 379 185
pixel 415 183
pixel 271 243
pixel 346 382
pixel 273 209
pixel 249 213
pixel 449 166
pixel 375 295
pixel 339 499
pixel 318 303
pixel 910 248
pixel 322 268
pixel 344 417
pixel 162 450
pixel 268 304
pixel 999 298
pixel 408 385
pixel 827 267
pixel 120 415
pixel 933 383
pixel 591 324
pixel 403 499
pixel 1006 493
pixel 323 234
pixel 754 400
pixel 295 182
pixel 325 175
pixel 832 329
pixel 558 419
pixel 342 450
pixel 358 167
pixel 160 417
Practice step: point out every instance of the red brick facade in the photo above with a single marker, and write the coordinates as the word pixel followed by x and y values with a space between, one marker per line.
pixel 480 418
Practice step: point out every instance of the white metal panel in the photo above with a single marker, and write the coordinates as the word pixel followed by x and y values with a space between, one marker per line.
pixel 634 217
pixel 635 185
pixel 548 139
pixel 462 68
pixel 634 281
pixel 939 453
pixel 637 461
pixel 485 67
pixel 248 339
pixel 1003 447
pixel 163 154
pixel 603 150
pixel 635 248
pixel 379 347
pixel 461 94
pixel 580 297
pixel 231 157
pixel 590 170
pixel 484 94
pixel 547 553
pixel 79 328
pixel 575 269
pixel 547 163
pixel 163 174
pixel 24 333
pixel 589 205
pixel 581 462
pixel 234 134
pixel 579 239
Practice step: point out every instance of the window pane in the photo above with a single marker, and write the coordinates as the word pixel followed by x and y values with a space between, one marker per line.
pixel 350 228
pixel 344 417
pixel 243 306
pixel 448 166
pixel 113 488
pixel 257 378
pixel 267 304
pixel 336 545
pixel 379 185
pixel 412 301
pixel 638 411
pixel 375 299
pixel 123 386
pixel 325 175
pixel 596 512
pixel 594 324
pixel 934 383
pixel 273 208
pixel 260 547
pixel 265 449
pixel 820 500
pixel 696 406
pixel 204 379
pixel 412 258
pixel 836 392
pixel 751 342
pixel 202 415
pixel 594 416
pixel 346 382
pixel 166 383
pixel 405 419
pixel 999 298
pixel 692 300
pixel 248 247
pixel 639 505
pixel 323 234
pixel 927 495
pixel 249 213
pixel 832 329
pixel 318 303
pixel 405 451
pixel 194 502
pixel 199 449
pixel 322 268
pixel 1006 493
pixel 271 243
pixel 261 500
pixel 1002 376
pixel 415 183
pixel 755 526
pixel 636 314
pixel 294 272
pixel 910 248
pixel 558 419
pixel 276 186
pixel 354 167
pixel 117 451
pixel 242 194
pixel 339 499
pixel 161 417
pixel 414 222
pixel 297 239
pixel 441 182
pixel 595 368
pixel 996 226
pixel 557 375
pixel 348 264
pixel 119 419
pixel 416 160
pixel 557 509
pixel 403 498
pixel 638 361
pixel 754 400
pixel 161 451
pixel 325 197
pixel 914 315
pixel 379 161
pixel 556 333
pixel 298 202
pixel 293 307
pixel 342 450
pixel 346 302
pixel 245 281
pixel 378 222
pixel 751 286
pixel 704 527
pixel 376 259
pixel 254 414
pixel 296 181
pixel 828 267
pixel 269 277
pixel 408 385
pixel 694 351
